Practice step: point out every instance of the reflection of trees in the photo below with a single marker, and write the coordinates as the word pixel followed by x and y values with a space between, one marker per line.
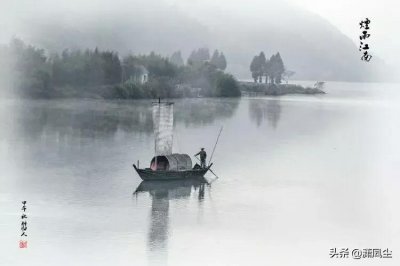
pixel 260 110
pixel 161 193
pixel 105 118
pixel 87 119
pixel 203 111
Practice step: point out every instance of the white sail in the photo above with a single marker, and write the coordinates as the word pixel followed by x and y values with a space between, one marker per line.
pixel 163 123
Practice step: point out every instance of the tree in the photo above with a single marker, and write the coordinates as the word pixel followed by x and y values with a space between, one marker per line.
pixel 200 56
pixel 262 62
pixel 176 58
pixel 277 68
pixel 287 75
pixel 130 67
pixel 215 58
pixel 227 86
pixel 218 60
pixel 257 67
pixel 254 68
pixel 29 68
pixel 268 71
pixel 111 66
pixel 204 54
pixel 222 62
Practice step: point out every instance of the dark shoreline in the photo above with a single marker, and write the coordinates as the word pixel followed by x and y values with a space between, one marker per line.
pixel 251 88
pixel 106 92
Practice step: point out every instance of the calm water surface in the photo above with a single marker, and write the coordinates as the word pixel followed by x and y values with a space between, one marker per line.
pixel 299 175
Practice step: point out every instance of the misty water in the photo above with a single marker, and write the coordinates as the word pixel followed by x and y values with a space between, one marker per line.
pixel 298 175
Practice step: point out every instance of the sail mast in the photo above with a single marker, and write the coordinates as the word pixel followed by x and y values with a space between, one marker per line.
pixel 163 123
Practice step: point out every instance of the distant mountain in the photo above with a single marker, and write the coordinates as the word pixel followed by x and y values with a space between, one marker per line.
pixel 309 45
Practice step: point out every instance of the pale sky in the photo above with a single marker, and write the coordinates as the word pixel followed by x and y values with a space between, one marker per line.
pixel 344 14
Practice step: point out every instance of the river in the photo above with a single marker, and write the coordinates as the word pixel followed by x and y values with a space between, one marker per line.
pixel 298 176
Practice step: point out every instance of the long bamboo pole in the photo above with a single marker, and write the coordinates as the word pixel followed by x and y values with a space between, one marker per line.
pixel 215 145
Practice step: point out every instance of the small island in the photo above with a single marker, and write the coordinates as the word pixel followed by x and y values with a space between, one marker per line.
pixel 268 75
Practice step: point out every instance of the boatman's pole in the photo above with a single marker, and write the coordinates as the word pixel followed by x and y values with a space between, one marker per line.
pixel 215 145
pixel 209 169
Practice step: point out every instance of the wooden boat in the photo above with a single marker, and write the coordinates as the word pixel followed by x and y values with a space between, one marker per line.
pixel 166 165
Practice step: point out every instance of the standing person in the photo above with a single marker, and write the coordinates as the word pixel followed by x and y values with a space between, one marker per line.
pixel 203 156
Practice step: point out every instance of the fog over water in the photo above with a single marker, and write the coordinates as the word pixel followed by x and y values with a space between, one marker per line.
pixel 298 175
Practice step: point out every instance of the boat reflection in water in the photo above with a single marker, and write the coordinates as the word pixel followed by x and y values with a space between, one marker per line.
pixel 161 193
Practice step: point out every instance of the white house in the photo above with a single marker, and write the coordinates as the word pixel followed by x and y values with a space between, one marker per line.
pixel 140 76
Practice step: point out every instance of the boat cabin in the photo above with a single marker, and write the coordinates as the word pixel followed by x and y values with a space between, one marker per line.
pixel 172 162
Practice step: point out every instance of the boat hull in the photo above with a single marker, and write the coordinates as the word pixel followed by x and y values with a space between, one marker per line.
pixel 148 174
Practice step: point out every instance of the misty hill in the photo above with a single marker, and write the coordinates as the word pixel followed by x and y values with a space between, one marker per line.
pixel 309 45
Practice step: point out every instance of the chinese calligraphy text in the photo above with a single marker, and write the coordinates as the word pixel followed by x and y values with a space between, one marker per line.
pixel 23 243
pixel 364 47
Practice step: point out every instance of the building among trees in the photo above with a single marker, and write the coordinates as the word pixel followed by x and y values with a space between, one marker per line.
pixel 140 76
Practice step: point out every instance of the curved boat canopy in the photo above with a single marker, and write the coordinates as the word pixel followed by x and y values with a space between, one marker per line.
pixel 172 162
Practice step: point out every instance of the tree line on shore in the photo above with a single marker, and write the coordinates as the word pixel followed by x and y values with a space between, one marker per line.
pixel 32 72
pixel 200 56
pixel 273 69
